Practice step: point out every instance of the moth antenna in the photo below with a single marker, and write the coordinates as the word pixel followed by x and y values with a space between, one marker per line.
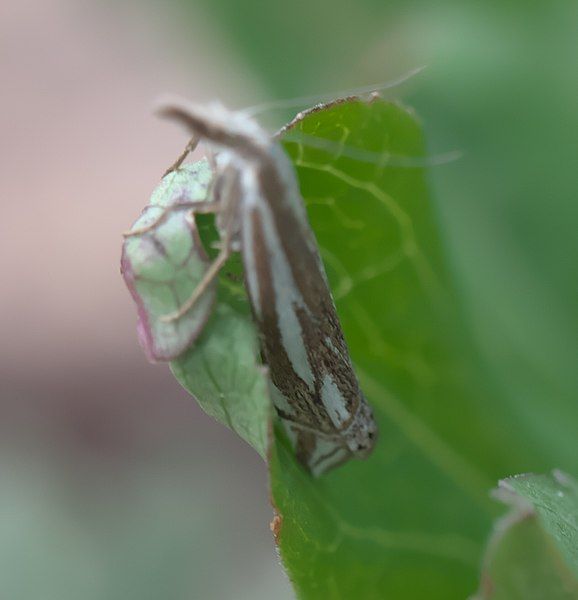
pixel 190 147
pixel 308 100
pixel 367 156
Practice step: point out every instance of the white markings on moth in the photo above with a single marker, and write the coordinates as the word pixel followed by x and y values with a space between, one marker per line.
pixel 251 275
pixel 333 401
pixel 280 401
pixel 329 343
pixel 327 453
pixel 287 295
pixel 287 176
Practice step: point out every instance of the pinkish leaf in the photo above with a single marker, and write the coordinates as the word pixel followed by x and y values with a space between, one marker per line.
pixel 163 264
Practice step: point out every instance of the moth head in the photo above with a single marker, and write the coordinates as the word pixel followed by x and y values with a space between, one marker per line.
pixel 220 127
pixel 362 434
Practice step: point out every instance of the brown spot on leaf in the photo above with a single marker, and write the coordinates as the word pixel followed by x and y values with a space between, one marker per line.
pixel 275 526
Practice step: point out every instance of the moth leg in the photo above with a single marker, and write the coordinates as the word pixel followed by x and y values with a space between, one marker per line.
pixel 224 203
pixel 146 228
pixel 208 207
pixel 207 279
pixel 193 142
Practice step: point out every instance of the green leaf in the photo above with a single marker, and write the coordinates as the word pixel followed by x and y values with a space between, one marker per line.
pixel 533 552
pixel 410 521
pixel 163 260
pixel 223 373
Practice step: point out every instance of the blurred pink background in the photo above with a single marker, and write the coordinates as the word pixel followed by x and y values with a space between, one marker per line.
pixel 113 483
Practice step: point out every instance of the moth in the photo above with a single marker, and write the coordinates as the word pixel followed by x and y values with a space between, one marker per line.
pixel 260 213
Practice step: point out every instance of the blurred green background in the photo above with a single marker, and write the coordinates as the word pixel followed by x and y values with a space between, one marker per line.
pixel 113 484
